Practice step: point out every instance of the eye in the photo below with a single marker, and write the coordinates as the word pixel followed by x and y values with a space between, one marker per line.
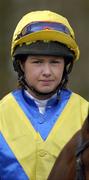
pixel 36 61
pixel 56 61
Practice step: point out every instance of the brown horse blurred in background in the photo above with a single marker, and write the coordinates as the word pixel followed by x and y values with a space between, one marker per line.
pixel 73 161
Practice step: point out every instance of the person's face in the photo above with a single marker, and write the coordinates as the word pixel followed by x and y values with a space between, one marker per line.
pixel 43 73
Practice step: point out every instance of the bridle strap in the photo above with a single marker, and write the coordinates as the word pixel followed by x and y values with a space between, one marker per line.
pixel 82 148
pixel 80 173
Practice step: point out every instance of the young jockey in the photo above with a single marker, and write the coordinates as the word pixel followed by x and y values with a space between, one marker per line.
pixel 42 114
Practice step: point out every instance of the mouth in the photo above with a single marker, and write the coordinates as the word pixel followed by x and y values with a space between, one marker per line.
pixel 46 82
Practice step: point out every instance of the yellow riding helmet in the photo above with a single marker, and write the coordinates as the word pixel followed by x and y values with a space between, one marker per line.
pixel 47 26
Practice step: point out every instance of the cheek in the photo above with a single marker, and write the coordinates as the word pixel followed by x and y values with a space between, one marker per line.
pixel 32 74
pixel 60 71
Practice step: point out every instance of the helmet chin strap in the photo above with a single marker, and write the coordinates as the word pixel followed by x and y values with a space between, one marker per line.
pixel 38 93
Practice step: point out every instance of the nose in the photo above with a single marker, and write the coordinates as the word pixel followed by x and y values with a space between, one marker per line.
pixel 47 70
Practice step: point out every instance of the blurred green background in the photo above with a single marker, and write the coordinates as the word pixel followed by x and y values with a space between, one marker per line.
pixel 77 12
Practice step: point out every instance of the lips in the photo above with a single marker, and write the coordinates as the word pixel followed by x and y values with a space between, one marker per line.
pixel 46 82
